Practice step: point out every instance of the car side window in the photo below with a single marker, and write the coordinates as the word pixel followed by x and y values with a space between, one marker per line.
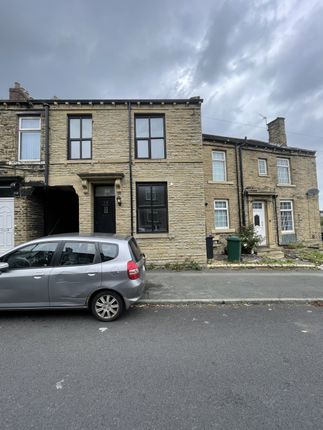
pixel 108 251
pixel 77 253
pixel 35 255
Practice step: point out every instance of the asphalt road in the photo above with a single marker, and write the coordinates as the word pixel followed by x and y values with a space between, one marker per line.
pixel 189 367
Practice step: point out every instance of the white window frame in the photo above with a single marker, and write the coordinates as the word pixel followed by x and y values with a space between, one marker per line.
pixel 287 210
pixel 288 166
pixel 224 161
pixel 264 160
pixel 24 130
pixel 222 209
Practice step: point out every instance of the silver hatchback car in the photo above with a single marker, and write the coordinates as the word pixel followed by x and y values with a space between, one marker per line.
pixel 102 272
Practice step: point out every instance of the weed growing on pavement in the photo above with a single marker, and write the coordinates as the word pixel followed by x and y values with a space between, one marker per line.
pixel 187 264
pixel 313 256
pixel 275 261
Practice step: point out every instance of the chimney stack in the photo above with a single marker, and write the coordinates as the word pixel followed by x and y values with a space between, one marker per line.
pixel 276 131
pixel 18 93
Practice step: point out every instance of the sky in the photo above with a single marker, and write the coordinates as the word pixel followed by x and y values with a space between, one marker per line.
pixel 250 60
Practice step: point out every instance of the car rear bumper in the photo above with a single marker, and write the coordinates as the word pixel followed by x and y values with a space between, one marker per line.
pixel 136 296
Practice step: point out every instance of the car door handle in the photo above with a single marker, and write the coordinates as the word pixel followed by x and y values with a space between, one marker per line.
pixel 91 274
pixel 38 276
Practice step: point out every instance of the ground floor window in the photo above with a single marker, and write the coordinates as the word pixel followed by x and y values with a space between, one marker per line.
pixel 286 216
pixel 221 214
pixel 152 211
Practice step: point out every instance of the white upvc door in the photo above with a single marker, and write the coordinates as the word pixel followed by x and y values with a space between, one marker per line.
pixel 259 220
pixel 6 224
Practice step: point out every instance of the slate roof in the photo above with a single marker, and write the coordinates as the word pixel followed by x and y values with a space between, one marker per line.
pixel 253 143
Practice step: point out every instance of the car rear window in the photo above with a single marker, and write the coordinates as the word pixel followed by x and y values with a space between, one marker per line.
pixel 134 249
pixel 108 251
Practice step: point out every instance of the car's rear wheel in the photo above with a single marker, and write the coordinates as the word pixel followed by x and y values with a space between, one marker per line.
pixel 107 306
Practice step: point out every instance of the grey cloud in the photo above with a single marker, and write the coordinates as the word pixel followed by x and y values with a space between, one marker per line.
pixel 84 49
pixel 237 32
pixel 298 68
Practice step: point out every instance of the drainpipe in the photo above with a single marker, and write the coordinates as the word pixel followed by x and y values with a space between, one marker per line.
pixel 46 173
pixel 277 220
pixel 242 183
pixel 46 144
pixel 130 167
pixel 238 185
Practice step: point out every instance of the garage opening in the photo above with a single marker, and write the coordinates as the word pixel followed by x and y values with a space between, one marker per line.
pixel 61 210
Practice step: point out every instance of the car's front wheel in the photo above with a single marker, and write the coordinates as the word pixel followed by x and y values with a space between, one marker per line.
pixel 107 306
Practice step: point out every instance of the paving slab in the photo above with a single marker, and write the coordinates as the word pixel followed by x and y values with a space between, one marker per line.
pixel 230 286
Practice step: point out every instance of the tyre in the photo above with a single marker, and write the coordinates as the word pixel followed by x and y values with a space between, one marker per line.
pixel 107 306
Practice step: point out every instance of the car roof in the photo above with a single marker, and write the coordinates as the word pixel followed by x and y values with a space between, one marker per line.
pixel 85 237
pixel 102 237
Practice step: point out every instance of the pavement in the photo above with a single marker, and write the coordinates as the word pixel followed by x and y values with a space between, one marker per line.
pixel 229 286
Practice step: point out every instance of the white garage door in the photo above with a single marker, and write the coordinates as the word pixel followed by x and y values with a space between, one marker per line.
pixel 6 224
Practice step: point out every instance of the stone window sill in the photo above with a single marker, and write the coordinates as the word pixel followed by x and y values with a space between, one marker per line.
pixel 150 160
pixel 17 163
pixel 79 161
pixel 224 230
pixel 153 236
pixel 286 185
pixel 221 182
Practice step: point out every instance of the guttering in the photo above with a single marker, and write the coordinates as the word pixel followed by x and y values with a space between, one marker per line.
pixel 46 174
pixel 130 167
pixel 189 101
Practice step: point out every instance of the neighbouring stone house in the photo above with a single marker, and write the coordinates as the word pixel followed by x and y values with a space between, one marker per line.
pixel 270 185
pixel 142 167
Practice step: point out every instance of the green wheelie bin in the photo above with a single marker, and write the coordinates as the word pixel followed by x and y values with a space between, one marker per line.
pixel 234 248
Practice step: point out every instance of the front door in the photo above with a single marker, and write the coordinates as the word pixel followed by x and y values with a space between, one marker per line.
pixel 6 224
pixel 104 209
pixel 259 221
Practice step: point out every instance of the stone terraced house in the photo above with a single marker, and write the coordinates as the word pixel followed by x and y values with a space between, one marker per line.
pixel 270 185
pixel 143 167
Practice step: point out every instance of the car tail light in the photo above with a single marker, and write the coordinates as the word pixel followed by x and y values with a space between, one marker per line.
pixel 133 270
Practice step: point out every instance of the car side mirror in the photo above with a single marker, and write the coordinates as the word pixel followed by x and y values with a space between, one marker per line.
pixel 4 267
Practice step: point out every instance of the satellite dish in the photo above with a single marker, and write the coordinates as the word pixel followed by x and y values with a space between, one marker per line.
pixel 312 192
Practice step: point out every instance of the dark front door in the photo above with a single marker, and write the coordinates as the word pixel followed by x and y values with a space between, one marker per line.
pixel 104 210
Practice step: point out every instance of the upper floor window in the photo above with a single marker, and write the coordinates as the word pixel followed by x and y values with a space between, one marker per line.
pixel 262 167
pixel 221 214
pixel 80 137
pixel 286 216
pixel 283 171
pixel 150 136
pixel 152 213
pixel 29 138
pixel 219 166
